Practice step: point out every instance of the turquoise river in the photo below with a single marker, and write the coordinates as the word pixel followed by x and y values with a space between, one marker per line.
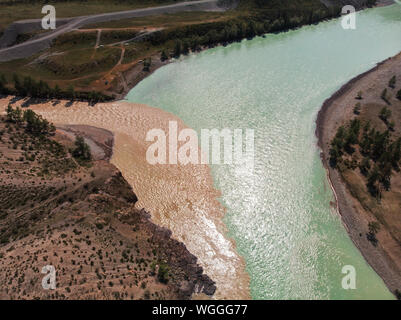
pixel 280 216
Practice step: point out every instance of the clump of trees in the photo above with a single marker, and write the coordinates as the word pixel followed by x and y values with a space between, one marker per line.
pixel 385 114
pixel 391 82
pixel 92 96
pixel 265 17
pixel 344 141
pixel 82 150
pixel 146 64
pixel 399 94
pixel 28 87
pixel 33 123
pixel 374 228
pixel 162 274
pixel 40 130
pixel 36 124
pixel 384 96
pixel 164 56
pixel 177 49
pixel 379 152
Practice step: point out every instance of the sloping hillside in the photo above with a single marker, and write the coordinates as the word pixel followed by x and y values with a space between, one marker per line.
pixel 60 207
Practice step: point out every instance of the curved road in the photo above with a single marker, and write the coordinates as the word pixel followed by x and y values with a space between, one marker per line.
pixel 30 47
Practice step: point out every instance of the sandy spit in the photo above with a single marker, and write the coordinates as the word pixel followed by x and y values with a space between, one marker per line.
pixel 181 198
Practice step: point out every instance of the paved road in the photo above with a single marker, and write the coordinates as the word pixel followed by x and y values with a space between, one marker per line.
pixel 33 46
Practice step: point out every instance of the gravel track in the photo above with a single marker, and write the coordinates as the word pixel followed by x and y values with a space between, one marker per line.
pixel 30 47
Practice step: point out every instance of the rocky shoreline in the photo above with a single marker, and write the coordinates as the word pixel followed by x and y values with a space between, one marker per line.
pixel 198 282
pixel 103 189
pixel 179 256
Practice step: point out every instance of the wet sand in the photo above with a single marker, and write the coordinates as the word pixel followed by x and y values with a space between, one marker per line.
pixel 181 198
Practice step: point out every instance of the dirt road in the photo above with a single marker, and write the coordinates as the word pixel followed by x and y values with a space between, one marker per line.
pixel 30 47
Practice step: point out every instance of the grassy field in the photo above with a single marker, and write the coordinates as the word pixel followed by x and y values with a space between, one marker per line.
pixel 21 11
pixel 167 20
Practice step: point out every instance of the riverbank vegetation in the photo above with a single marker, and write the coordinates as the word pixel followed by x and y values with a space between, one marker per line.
pixel 31 138
pixel 29 87
pixel 366 150
pixel 104 58
pixel 377 154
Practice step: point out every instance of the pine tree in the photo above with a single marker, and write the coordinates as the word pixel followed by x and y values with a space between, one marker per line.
pixel 56 92
pixel 385 175
pixel 177 49
pixel 385 114
pixel 365 166
pixel 17 85
pixel 357 108
pixel 396 153
pixel 185 47
pixel 392 81
pixel 82 150
pixel 164 56
pixel 71 92
pixel 373 179
pixel 399 94
pixel 384 95
pixel 147 63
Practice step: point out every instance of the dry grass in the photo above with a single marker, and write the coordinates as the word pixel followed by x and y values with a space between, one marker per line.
pixel 11 13
pixel 388 210
pixel 81 220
